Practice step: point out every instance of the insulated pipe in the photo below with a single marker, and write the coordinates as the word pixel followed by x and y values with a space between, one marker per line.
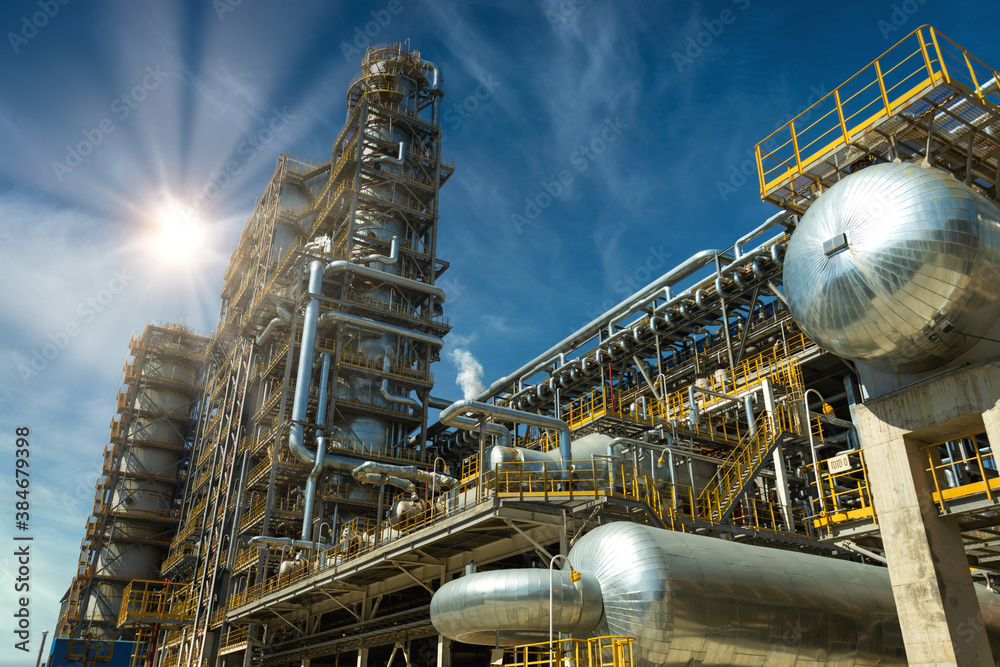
pixel 411 473
pixel 692 295
pixel 434 70
pixel 303 379
pixel 324 380
pixel 384 388
pixel 775 219
pixel 284 542
pixel 588 331
pixel 376 479
pixel 372 325
pixel 512 606
pixel 529 418
pixel 368 272
pixel 382 259
pixel 283 317
pixel 393 160
pixel 467 424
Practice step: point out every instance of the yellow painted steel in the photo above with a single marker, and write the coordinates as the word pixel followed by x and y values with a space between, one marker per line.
pixel 608 651
pixel 148 603
pixel 923 60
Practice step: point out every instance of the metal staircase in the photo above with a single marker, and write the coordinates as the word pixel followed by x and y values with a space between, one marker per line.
pixel 771 429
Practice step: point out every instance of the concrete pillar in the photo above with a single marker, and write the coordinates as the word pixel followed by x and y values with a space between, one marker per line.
pixel 366 613
pixel 991 420
pixel 443 652
pixel 937 605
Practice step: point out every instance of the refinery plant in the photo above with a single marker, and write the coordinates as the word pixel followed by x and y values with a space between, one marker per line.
pixel 779 452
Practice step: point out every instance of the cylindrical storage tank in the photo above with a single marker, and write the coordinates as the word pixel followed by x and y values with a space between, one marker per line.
pixel 696 600
pixel 896 266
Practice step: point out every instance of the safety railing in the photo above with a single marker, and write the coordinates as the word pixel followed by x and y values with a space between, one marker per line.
pixel 918 63
pixel 963 469
pixel 150 602
pixel 608 651
pixel 90 650
pixel 846 493
pixel 675 506
pixel 179 554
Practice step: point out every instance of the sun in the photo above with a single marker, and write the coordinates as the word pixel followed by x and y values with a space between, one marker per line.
pixel 178 234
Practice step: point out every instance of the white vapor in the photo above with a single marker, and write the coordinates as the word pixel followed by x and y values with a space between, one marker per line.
pixel 470 372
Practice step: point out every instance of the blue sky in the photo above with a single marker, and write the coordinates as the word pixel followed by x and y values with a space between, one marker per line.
pixel 111 110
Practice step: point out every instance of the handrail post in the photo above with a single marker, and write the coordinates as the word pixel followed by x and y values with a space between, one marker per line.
pixel 881 87
pixel 940 55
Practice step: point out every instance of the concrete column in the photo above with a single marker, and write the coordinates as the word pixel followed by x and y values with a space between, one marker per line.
pixel 444 652
pixel 366 613
pixel 991 420
pixel 938 609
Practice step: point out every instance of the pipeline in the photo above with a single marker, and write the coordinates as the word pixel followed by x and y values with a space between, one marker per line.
pixel 467 424
pixel 513 606
pixel 392 258
pixel 343 265
pixel 588 331
pixel 393 160
pixel 284 317
pixel 672 592
pixel 372 325
pixel 313 477
pixel 529 418
pixel 410 473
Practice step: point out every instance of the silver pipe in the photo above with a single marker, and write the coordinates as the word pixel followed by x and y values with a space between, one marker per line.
pixel 775 219
pixel 372 325
pixel 284 542
pixel 343 265
pixel 512 606
pixel 588 331
pixel 411 473
pixel 529 418
pixel 313 477
pixel 434 70
pixel 392 258
pixel 283 317
pixel 393 160
pixel 384 387
pixel 303 378
pixel 466 424
pixel 376 479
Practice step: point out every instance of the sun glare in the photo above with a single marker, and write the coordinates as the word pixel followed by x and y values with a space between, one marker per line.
pixel 178 235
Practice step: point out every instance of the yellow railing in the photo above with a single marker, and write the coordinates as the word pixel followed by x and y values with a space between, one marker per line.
pixel 90 650
pixel 675 506
pixel 846 494
pixel 150 602
pixel 975 474
pixel 606 651
pixel 921 61
pixel 743 461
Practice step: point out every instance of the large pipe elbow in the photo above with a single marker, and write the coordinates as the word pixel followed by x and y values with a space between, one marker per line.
pixel 518 606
